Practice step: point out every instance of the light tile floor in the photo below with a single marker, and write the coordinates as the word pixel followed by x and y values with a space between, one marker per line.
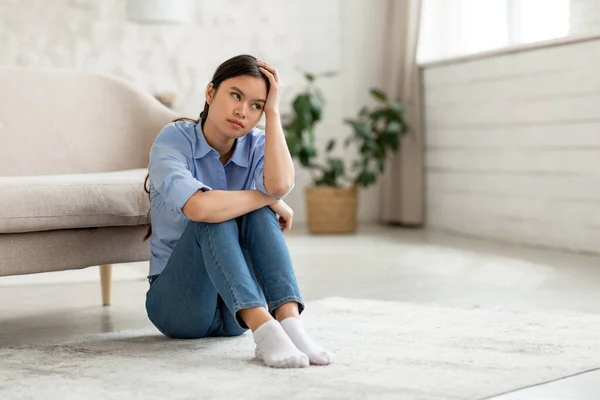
pixel 377 263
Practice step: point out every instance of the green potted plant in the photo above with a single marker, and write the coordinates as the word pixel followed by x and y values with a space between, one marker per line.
pixel 332 198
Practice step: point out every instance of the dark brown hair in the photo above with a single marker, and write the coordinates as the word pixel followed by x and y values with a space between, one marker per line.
pixel 237 66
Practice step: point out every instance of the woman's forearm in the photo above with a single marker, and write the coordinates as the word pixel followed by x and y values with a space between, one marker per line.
pixel 279 170
pixel 216 206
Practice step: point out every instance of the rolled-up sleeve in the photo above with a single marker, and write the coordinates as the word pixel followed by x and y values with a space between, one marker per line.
pixel 259 172
pixel 170 168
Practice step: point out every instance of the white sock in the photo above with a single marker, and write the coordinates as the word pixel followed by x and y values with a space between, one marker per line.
pixel 276 349
pixel 294 327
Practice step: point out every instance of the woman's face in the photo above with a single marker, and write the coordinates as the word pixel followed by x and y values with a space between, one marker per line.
pixel 237 105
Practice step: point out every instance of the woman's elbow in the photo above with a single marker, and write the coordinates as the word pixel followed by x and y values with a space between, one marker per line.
pixel 194 210
pixel 280 189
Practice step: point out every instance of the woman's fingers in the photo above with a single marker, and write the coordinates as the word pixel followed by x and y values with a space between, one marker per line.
pixel 269 68
pixel 268 74
pixel 285 224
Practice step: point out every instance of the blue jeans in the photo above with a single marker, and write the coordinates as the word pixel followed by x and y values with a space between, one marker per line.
pixel 218 269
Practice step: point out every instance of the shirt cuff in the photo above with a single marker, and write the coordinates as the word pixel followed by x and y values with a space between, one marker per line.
pixel 186 189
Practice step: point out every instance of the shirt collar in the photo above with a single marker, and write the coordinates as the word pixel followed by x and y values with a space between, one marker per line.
pixel 202 146
pixel 240 154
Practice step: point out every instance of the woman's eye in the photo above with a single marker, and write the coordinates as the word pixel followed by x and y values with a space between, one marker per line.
pixel 257 106
pixel 236 96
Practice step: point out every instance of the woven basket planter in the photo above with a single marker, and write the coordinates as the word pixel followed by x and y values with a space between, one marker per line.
pixel 331 210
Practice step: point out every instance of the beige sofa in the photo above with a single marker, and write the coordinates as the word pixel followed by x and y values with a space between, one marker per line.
pixel 73 157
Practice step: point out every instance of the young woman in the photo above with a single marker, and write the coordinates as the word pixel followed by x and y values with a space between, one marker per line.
pixel 219 262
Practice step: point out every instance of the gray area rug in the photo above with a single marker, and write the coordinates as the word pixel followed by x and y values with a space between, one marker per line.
pixel 384 350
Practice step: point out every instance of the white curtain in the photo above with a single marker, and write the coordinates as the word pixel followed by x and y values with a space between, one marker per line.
pixel 402 183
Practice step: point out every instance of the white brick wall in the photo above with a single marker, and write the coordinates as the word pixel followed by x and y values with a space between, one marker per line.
pixel 314 35
pixel 513 146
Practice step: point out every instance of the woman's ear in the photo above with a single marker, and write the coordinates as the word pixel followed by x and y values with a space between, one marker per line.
pixel 210 92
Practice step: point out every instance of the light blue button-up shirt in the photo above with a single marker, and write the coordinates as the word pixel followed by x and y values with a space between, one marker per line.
pixel 181 163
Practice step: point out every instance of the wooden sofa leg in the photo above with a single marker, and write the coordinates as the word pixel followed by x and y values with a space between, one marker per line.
pixel 105 282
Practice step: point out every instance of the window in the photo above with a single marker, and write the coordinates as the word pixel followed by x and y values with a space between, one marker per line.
pixel 451 28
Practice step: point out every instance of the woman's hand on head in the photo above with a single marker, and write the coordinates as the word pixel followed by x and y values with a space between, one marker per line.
pixel 274 95
pixel 285 215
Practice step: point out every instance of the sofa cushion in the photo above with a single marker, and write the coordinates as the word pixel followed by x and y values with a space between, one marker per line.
pixel 49 202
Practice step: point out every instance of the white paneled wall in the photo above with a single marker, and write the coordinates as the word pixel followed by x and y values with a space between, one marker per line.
pixel 585 17
pixel 513 146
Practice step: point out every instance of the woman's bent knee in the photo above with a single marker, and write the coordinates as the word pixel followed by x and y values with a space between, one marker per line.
pixel 216 230
pixel 211 225
pixel 264 212
pixel 263 217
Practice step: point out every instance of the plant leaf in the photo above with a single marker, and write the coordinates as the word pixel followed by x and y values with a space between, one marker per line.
pixel 398 107
pixel 337 165
pixel 361 129
pixel 369 145
pixel 329 74
pixel 349 121
pixel 395 142
pixel 316 107
pixel 365 178
pixel 330 145
pixel 302 107
pixel 394 128
pixel 320 95
pixel 292 143
pixel 378 94
pixel 309 147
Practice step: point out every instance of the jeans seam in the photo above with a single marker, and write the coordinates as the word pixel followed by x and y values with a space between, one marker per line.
pixel 217 321
pixel 272 304
pixel 280 302
pixel 261 281
pixel 258 276
pixel 243 306
pixel 227 278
